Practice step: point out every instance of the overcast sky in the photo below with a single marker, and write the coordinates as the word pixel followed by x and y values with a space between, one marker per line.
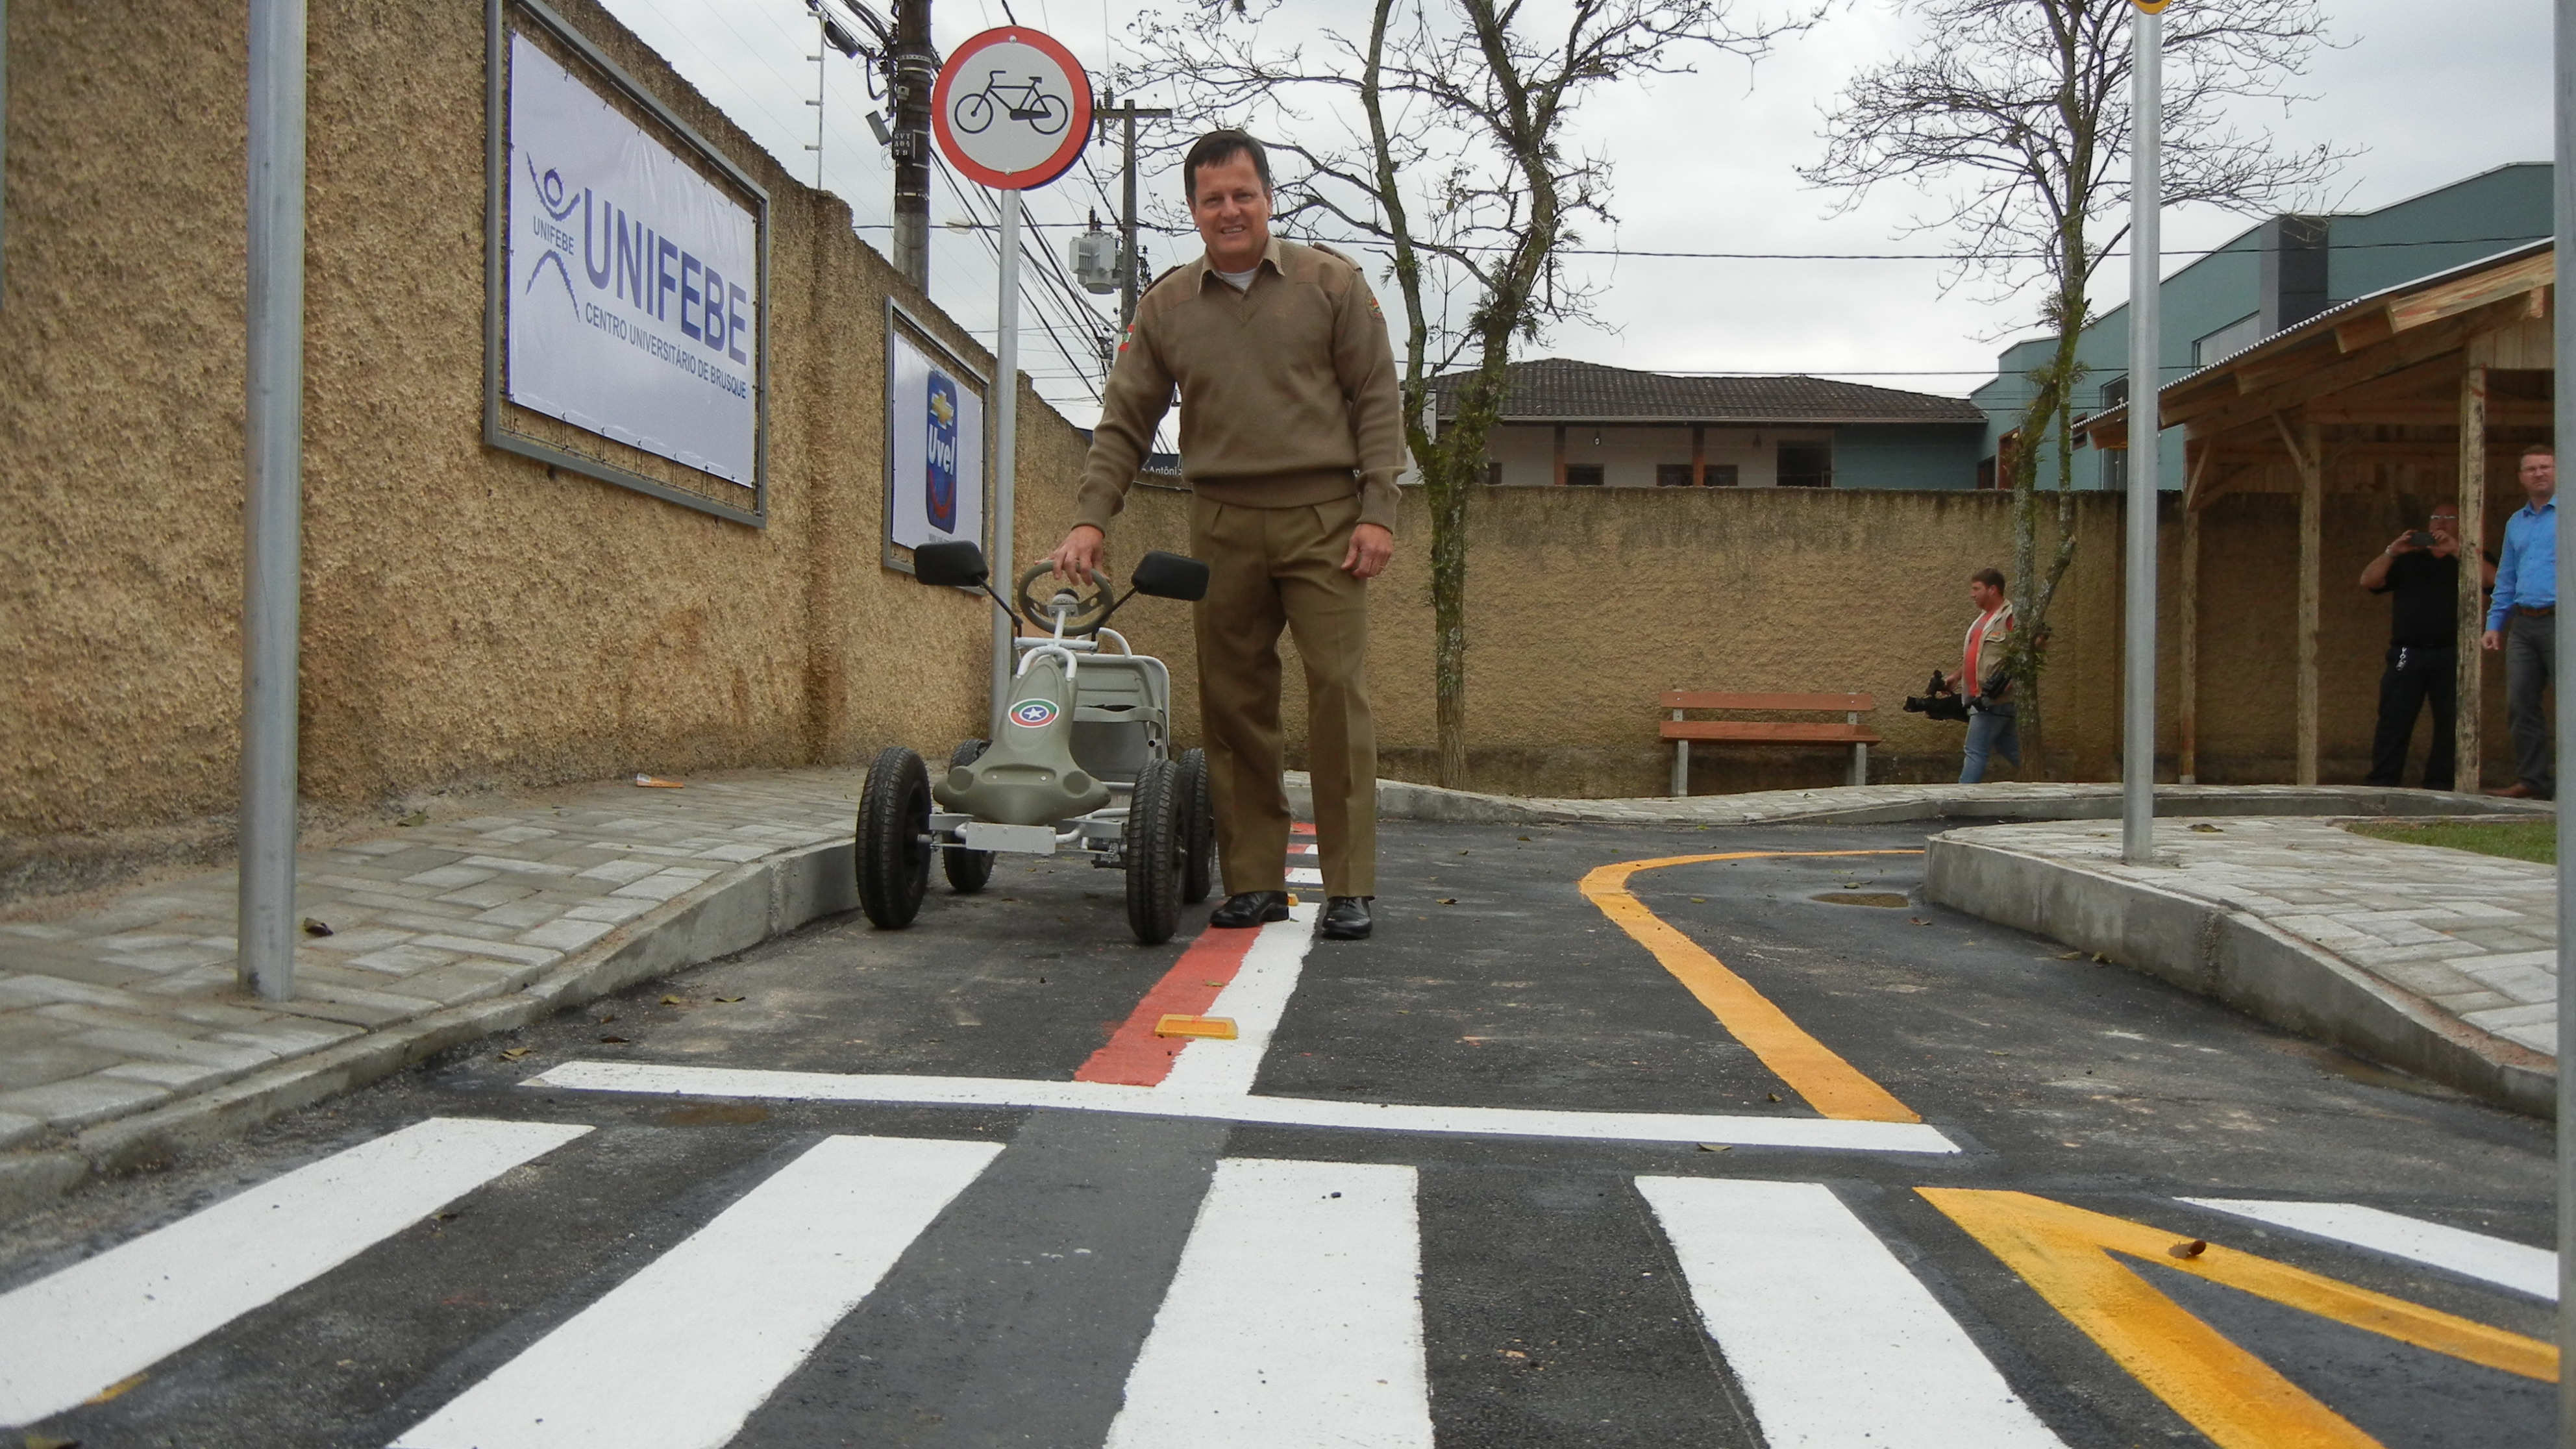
pixel 1706 162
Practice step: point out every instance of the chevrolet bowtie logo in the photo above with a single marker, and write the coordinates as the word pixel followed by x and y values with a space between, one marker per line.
pixel 942 409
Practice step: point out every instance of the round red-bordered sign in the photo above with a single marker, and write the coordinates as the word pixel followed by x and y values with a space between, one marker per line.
pixel 1011 108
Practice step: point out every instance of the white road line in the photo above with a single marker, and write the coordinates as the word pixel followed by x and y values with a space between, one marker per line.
pixel 1256 998
pixel 1835 1342
pixel 678 1356
pixel 65 1337
pixel 2457 1250
pixel 1295 1319
pixel 651 1079
pixel 1305 850
pixel 1305 875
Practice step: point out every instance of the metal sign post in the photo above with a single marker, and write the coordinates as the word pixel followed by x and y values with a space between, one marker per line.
pixel 272 501
pixel 2564 668
pixel 2146 195
pixel 1011 109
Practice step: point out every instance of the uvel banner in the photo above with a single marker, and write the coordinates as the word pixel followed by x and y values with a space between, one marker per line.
pixel 633 308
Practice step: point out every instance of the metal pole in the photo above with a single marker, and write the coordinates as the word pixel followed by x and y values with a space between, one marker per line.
pixel 1006 427
pixel 2138 725
pixel 2565 662
pixel 273 504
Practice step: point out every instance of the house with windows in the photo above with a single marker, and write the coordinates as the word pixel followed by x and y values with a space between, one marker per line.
pixel 2274 276
pixel 1574 424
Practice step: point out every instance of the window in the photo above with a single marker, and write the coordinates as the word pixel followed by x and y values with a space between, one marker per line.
pixel 1493 472
pixel 2115 469
pixel 2233 338
pixel 1672 475
pixel 1721 475
pixel 1582 475
pixel 1806 465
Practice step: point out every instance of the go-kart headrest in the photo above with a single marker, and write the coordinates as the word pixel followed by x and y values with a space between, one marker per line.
pixel 954 565
pixel 1170 576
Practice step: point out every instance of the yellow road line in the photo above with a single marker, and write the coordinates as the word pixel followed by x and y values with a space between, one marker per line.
pixel 2236 1399
pixel 1831 1085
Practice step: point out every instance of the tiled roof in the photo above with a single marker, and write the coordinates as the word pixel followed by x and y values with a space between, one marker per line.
pixel 1553 389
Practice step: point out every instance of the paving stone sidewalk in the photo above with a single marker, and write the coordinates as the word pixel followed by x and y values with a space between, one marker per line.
pixel 2475 935
pixel 123 1008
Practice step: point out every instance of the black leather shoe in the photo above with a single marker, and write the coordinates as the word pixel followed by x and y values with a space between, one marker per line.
pixel 1346 918
pixel 1250 908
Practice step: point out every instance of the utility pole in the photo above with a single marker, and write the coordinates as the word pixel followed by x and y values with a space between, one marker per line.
pixel 822 48
pixel 1128 115
pixel 915 67
pixel 2146 472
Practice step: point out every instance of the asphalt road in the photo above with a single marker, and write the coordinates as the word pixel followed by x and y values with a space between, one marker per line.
pixel 678 1266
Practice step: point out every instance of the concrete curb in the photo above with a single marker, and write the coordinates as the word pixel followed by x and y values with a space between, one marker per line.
pixel 2238 959
pixel 732 912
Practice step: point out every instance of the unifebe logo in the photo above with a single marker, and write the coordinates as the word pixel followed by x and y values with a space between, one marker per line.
pixel 1033 713
pixel 939 478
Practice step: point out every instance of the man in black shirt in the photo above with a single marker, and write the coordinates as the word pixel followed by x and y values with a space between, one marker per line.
pixel 2423 646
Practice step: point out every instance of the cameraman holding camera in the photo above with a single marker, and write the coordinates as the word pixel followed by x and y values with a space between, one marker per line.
pixel 1992 724
pixel 2422 569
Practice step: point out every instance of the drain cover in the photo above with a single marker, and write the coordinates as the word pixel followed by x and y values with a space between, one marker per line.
pixel 1888 899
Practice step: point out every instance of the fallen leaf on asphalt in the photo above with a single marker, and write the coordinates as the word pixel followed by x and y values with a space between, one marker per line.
pixel 1774 1096
pixel 113 1390
pixel 614 1040
pixel 605 1020
pixel 1448 900
pixel 2204 830
pixel 417 817
pixel 313 927
pixel 2192 1249
pixel 1514 1353
pixel 673 1001
pixel 47 1441
pixel 1715 1146
pixel 2070 955
pixel 1524 837
pixel 1699 900
pixel 728 998
pixel 2101 960
pixel 1917 921
pixel 512 1054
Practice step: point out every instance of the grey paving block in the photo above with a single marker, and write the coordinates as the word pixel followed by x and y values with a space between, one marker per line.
pixel 379 847
pixel 523 914
pixel 566 935
pixel 79 1101
pixel 33 1064
pixel 403 960
pixel 172 1076
pixel 164 1047
pixel 454 920
pixel 18 1129
pixel 481 823
pixel 524 955
pixel 288 1036
pixel 660 887
pixel 608 909
pixel 361 887
pixel 469 981
pixel 515 866
pixel 41 990
pixel 350 1012
pixel 449 877
pixel 217 1016
pixel 356 943
pixel 621 871
pixel 489 894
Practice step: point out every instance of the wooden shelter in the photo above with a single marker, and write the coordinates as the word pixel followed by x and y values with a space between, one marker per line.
pixel 2408 390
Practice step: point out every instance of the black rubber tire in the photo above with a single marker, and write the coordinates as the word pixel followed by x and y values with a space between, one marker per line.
pixel 893 852
pixel 967 870
pixel 1153 852
pixel 1198 829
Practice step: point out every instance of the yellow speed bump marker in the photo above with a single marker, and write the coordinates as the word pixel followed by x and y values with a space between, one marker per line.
pixel 1831 1085
pixel 1219 1027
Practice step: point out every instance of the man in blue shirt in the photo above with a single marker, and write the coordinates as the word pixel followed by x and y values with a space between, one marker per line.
pixel 2526 595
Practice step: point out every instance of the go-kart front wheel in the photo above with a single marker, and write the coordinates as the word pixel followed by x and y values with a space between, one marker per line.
pixel 893 854
pixel 967 870
pixel 1153 852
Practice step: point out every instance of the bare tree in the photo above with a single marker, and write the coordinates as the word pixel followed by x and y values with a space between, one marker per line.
pixel 2014 115
pixel 1441 135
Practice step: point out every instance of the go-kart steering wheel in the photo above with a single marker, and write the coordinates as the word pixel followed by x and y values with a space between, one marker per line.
pixel 1090 603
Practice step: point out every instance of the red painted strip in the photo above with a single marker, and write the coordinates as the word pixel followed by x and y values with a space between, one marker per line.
pixel 1301 827
pixel 1134 1056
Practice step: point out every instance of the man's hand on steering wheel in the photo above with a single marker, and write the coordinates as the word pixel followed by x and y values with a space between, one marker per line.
pixel 1078 557
pixel 1372 544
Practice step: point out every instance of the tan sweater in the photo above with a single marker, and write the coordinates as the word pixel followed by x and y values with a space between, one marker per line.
pixel 1288 389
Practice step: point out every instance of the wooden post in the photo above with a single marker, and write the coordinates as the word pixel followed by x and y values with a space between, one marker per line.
pixel 1560 455
pixel 1699 455
pixel 2465 744
pixel 2304 452
pixel 2187 649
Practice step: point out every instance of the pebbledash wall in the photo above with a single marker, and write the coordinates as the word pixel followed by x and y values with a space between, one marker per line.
pixel 473 621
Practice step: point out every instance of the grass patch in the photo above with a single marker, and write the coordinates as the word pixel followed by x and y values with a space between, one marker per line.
pixel 2532 840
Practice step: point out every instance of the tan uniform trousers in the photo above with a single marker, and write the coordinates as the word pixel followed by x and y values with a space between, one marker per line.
pixel 1274 567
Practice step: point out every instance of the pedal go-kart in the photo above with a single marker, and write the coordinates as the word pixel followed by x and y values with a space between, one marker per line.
pixel 1084 763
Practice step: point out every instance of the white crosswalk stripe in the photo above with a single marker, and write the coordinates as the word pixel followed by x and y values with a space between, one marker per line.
pixel 65 1337
pixel 1295 1319
pixel 678 1356
pixel 1836 1344
pixel 2457 1250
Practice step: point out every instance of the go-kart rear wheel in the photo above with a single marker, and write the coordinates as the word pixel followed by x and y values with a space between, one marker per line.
pixel 1153 852
pixel 967 870
pixel 1198 829
pixel 894 838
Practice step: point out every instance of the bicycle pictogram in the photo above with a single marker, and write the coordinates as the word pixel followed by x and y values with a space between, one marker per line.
pixel 1044 113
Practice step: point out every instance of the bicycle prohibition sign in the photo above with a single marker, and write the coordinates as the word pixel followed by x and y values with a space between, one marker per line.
pixel 1044 113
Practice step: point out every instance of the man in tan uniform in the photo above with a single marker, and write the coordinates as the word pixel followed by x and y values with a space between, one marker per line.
pixel 1291 436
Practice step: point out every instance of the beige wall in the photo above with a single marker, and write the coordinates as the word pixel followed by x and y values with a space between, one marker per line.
pixel 472 621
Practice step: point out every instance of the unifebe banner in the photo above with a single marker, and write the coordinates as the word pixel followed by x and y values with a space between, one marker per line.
pixel 634 281
pixel 935 443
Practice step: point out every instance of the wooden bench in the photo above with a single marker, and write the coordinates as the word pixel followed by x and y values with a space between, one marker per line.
pixel 1681 729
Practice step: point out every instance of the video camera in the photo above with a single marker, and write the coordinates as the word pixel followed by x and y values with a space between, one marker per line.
pixel 1938 701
